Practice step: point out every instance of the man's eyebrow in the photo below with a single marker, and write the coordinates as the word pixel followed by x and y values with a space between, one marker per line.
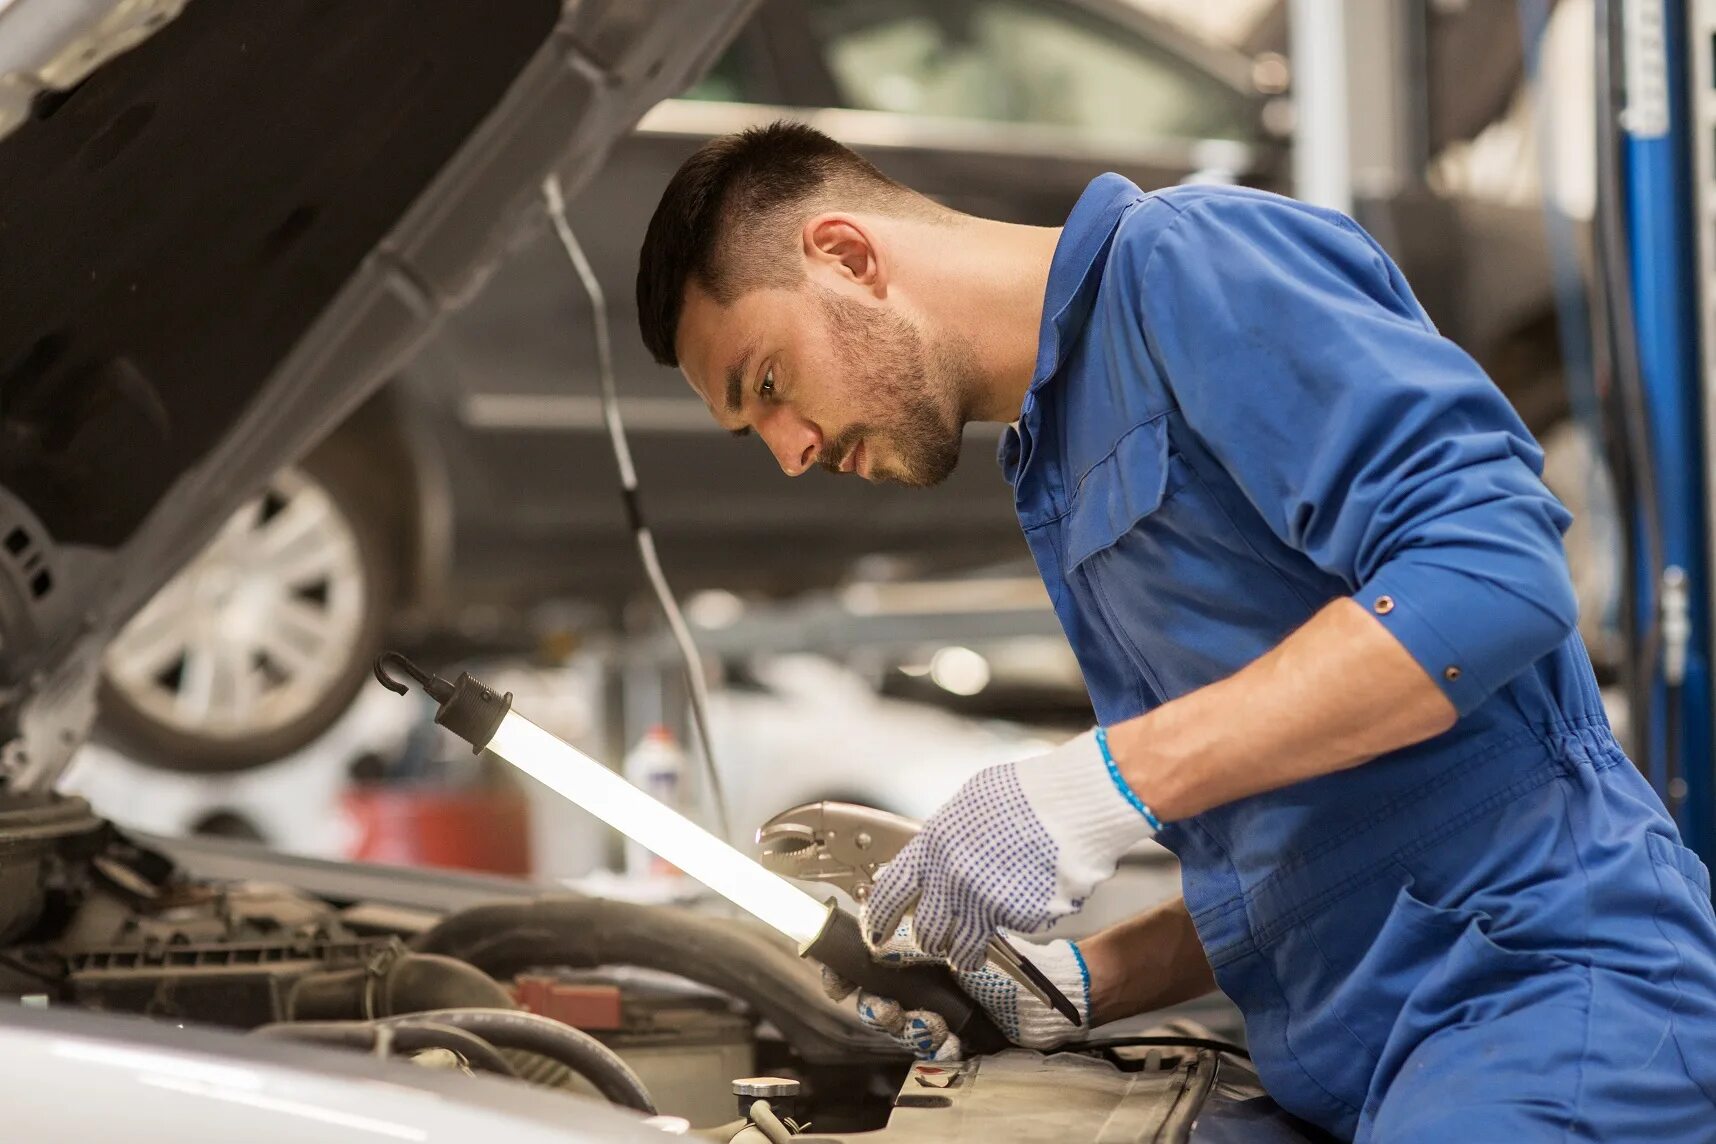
pixel 736 380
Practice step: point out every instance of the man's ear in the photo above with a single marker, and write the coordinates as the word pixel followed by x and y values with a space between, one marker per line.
pixel 840 245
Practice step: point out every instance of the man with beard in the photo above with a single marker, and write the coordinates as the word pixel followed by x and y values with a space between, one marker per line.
pixel 1301 547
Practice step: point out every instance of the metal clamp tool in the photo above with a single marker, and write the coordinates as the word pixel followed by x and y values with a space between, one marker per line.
pixel 844 844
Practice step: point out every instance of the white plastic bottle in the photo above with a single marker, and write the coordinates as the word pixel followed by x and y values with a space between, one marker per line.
pixel 655 766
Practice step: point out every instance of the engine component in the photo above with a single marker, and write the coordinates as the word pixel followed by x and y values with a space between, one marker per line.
pixel 236 984
pixel 1158 1092
pixel 685 1043
pixel 395 982
pixel 246 984
pixel 760 1121
pixel 775 1128
pixel 584 1054
pixel 38 834
pixel 733 955
pixel 135 897
pixel 781 1092
pixel 400 1038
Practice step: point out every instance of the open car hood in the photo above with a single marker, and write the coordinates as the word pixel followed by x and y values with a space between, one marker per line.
pixel 222 225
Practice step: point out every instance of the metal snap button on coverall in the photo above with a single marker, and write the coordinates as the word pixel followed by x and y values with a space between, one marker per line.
pixel 1240 413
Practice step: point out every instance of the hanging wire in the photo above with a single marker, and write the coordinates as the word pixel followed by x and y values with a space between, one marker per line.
pixel 1573 304
pixel 697 683
pixel 1635 468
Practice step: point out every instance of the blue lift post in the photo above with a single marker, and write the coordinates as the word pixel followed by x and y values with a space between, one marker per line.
pixel 1660 48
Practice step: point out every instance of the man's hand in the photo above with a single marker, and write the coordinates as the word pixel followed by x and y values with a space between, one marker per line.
pixel 1019 847
pixel 1025 1020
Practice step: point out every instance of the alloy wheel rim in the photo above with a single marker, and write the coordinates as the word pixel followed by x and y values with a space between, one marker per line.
pixel 251 634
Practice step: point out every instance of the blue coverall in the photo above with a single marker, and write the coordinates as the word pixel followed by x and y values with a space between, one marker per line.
pixel 1240 413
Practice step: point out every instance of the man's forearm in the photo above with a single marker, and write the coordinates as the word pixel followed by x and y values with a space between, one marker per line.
pixel 1147 963
pixel 1339 691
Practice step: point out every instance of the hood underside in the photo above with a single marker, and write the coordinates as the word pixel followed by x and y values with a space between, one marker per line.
pixel 218 241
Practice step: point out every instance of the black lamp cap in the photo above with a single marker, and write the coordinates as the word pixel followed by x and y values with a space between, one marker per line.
pixel 468 707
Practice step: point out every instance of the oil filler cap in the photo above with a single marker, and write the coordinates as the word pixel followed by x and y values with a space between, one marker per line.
pixel 766 1087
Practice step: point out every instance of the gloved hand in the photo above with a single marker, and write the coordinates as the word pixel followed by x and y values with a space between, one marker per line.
pixel 1025 1020
pixel 1018 847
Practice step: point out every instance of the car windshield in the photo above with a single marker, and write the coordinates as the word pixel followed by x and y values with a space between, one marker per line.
pixel 1035 62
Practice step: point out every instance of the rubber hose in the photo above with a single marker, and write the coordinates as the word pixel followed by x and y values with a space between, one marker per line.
pixel 538 1069
pixel 574 1048
pixel 407 1037
pixel 410 983
pixel 769 1124
pixel 736 956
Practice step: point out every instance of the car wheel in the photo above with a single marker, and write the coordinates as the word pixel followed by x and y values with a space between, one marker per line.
pixel 260 644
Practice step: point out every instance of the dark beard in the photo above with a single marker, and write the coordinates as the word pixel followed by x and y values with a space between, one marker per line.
pixel 887 362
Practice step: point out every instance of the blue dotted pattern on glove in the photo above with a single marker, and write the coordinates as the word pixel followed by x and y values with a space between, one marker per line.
pixel 998 995
pixel 986 837
pixel 919 1037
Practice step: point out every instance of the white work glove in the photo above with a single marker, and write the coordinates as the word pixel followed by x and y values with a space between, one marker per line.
pixel 1021 1017
pixel 1019 847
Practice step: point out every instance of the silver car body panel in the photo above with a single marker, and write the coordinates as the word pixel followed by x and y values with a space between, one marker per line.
pixel 79 1076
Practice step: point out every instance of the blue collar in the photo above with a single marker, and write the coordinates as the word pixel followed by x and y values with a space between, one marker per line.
pixel 1080 255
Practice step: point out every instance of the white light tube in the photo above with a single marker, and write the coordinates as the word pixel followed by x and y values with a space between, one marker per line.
pixel 580 779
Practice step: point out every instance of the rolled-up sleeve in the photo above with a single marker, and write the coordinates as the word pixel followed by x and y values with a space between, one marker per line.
pixel 1367 441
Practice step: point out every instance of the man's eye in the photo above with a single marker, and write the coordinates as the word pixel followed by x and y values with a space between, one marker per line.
pixel 767 386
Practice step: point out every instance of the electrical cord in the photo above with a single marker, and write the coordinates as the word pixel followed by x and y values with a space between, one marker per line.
pixel 1635 468
pixel 1612 288
pixel 698 685
pixel 1574 306
pixel 1104 1044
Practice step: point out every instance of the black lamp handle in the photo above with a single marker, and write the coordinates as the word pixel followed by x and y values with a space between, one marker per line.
pixel 840 946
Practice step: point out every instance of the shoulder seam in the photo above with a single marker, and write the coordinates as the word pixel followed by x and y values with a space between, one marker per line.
pixel 1180 214
pixel 1322 214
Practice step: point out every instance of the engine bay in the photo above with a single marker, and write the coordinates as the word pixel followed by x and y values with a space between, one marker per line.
pixel 660 1009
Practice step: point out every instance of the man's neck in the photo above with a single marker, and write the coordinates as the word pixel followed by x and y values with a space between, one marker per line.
pixel 983 285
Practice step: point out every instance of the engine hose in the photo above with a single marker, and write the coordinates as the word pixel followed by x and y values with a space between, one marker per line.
pixel 574 1048
pixel 538 1069
pixel 398 983
pixel 406 1036
pixel 769 1123
pixel 735 956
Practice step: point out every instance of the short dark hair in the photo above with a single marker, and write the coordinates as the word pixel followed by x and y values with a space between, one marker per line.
pixel 716 220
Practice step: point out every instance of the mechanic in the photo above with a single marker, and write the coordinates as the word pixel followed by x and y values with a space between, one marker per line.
pixel 1300 545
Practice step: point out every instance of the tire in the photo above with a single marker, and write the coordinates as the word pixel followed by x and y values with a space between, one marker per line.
pixel 283 661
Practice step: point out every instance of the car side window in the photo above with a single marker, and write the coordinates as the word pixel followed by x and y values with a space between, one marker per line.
pixel 1040 62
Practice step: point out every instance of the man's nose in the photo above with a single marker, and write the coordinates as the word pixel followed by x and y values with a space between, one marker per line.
pixel 795 442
